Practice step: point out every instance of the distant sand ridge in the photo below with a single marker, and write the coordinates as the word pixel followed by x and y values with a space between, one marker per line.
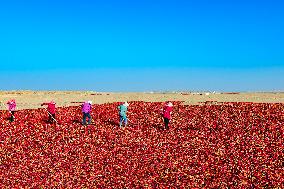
pixel 33 99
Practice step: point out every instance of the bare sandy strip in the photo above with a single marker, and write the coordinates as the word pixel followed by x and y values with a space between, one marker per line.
pixel 33 99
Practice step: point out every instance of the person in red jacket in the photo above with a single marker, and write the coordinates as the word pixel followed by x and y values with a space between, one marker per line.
pixel 166 113
pixel 51 111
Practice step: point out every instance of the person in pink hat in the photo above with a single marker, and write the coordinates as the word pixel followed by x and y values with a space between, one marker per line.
pixel 166 113
pixel 51 109
pixel 86 110
pixel 12 108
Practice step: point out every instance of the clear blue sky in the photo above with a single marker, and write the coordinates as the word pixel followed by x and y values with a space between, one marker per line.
pixel 127 45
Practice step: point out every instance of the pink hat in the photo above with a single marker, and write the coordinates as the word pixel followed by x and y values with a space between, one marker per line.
pixel 12 101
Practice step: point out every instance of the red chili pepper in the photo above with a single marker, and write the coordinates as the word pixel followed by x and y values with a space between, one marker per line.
pixel 232 145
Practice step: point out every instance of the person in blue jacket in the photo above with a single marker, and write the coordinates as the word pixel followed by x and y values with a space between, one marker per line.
pixel 122 114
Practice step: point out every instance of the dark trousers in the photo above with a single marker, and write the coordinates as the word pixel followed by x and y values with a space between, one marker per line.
pixel 51 118
pixel 12 116
pixel 166 121
pixel 85 116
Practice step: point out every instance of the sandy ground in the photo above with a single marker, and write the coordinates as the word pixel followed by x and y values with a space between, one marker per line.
pixel 33 99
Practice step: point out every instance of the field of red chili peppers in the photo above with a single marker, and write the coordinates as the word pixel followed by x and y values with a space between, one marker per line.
pixel 233 145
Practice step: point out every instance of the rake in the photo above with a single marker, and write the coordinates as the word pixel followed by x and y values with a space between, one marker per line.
pixel 51 116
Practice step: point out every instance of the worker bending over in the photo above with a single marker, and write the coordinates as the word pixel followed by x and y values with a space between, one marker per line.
pixel 12 108
pixel 51 109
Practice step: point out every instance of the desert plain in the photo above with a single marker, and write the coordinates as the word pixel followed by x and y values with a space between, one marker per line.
pixel 33 99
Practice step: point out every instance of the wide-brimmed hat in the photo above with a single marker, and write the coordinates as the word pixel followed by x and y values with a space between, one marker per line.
pixel 169 104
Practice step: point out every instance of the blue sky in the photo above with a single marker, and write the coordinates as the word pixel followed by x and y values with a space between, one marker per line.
pixel 123 45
